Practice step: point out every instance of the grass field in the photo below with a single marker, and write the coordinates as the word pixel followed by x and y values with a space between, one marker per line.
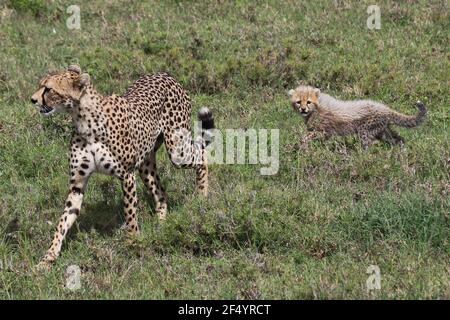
pixel 308 232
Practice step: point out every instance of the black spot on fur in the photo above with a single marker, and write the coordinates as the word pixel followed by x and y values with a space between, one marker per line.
pixel 74 211
pixel 76 190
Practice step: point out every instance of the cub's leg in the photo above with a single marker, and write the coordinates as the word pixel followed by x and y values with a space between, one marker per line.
pixel 392 137
pixel 313 135
pixel 370 130
pixel 81 167
pixel 151 179
pixel 367 138
pixel 130 203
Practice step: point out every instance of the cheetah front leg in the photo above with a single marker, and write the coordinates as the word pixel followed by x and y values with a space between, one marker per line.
pixel 82 166
pixel 130 204
pixel 310 136
pixel 367 139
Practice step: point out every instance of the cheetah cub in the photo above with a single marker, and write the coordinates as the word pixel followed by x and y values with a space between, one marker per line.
pixel 326 116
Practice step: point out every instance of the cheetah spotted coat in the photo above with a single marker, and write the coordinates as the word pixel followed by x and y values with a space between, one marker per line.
pixel 117 135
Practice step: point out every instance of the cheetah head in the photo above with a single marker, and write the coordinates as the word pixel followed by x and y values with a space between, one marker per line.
pixel 304 99
pixel 60 91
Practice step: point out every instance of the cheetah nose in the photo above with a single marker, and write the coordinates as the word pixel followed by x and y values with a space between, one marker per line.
pixel 33 101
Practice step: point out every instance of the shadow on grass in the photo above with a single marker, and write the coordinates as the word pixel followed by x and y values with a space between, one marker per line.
pixel 105 218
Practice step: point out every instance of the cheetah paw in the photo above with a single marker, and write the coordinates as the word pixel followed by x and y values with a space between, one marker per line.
pixel 43 266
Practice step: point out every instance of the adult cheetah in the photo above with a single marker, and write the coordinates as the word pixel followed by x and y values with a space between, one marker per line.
pixel 117 135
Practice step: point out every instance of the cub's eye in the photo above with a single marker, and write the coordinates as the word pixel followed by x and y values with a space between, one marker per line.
pixel 309 102
pixel 46 89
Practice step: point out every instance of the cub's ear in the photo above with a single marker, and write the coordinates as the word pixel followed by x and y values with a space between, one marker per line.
pixel 74 68
pixel 83 80
pixel 291 93
pixel 317 92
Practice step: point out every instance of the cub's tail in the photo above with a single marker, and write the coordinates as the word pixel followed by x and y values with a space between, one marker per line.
pixel 206 118
pixel 411 121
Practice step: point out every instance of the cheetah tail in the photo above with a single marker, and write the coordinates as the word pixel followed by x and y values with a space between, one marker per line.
pixel 207 124
pixel 411 121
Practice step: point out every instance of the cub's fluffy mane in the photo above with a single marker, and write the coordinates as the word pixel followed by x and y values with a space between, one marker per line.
pixel 342 111
pixel 350 110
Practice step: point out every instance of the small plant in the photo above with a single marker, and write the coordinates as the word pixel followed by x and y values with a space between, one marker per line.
pixel 35 7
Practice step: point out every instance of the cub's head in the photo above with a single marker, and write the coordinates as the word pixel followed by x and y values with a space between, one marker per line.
pixel 304 99
pixel 60 91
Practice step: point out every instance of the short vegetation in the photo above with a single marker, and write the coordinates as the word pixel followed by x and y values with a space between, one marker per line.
pixel 308 232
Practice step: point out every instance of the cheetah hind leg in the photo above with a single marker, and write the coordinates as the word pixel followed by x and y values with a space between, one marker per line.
pixel 186 153
pixel 152 181
pixel 392 137
pixel 130 205
pixel 202 176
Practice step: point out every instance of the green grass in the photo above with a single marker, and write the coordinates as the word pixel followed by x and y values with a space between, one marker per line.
pixel 309 232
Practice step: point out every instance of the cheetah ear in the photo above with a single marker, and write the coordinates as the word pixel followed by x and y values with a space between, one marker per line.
pixel 83 80
pixel 291 92
pixel 317 92
pixel 74 68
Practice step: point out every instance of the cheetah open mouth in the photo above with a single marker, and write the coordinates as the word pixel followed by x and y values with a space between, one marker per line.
pixel 303 113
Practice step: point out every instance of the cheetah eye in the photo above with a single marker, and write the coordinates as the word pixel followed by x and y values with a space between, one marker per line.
pixel 47 90
pixel 308 102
